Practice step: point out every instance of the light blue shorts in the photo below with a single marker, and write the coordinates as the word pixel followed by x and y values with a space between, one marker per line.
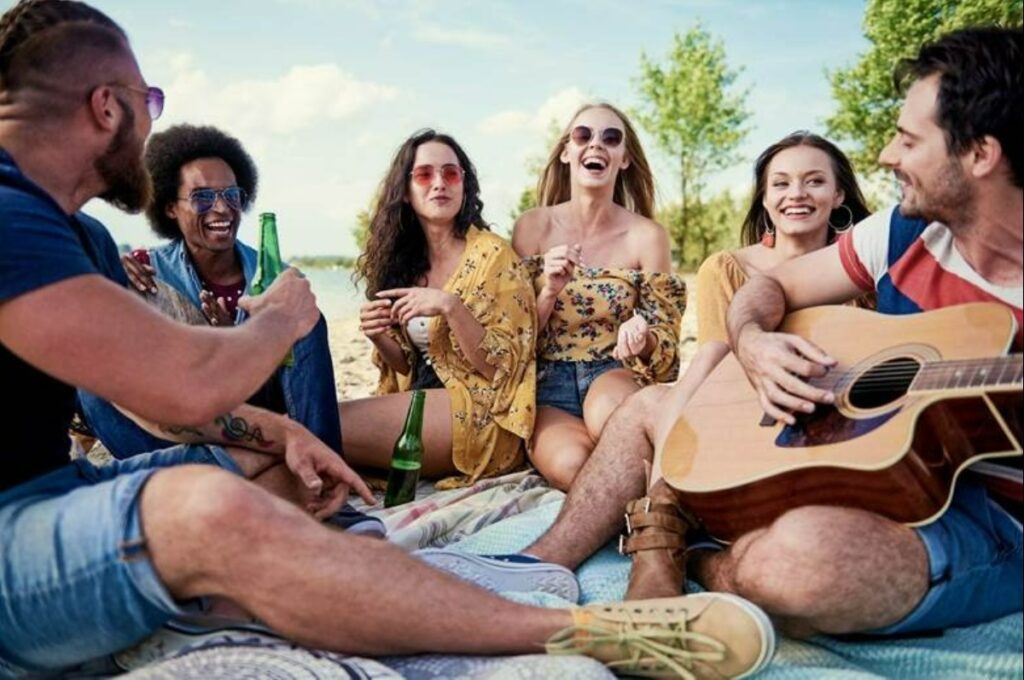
pixel 76 581
pixel 564 384
pixel 974 561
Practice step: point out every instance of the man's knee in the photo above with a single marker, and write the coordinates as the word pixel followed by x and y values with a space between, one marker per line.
pixel 793 565
pixel 205 502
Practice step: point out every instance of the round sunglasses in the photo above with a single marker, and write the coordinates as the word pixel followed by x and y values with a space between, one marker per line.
pixel 610 137
pixel 423 175
pixel 203 200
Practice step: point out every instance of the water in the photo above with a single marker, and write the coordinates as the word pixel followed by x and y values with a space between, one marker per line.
pixel 335 294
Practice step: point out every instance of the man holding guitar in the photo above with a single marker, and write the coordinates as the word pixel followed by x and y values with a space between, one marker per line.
pixel 956 237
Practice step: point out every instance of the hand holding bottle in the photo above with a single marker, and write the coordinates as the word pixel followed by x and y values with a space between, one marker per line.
pixel 290 296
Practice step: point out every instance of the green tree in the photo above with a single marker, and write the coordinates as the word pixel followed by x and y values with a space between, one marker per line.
pixel 361 232
pixel 868 103
pixel 695 115
pixel 714 226
pixel 534 166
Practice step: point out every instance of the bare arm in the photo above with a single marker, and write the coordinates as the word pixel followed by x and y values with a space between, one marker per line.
pixel 469 333
pixel 391 353
pixel 321 470
pixel 558 262
pixel 778 364
pixel 98 336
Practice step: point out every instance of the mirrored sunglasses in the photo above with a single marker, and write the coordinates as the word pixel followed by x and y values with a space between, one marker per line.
pixel 203 200
pixel 610 137
pixel 423 175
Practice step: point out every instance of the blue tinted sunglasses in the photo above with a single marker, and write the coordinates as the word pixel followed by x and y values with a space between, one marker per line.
pixel 203 200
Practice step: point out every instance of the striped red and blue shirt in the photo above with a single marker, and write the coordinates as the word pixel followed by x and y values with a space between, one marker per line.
pixel 914 266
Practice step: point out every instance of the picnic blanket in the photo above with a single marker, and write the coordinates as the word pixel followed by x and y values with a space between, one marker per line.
pixel 505 515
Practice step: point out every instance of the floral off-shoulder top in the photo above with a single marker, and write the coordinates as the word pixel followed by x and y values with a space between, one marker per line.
pixel 491 418
pixel 584 323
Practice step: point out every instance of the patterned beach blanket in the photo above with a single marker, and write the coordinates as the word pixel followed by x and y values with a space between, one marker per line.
pixel 505 515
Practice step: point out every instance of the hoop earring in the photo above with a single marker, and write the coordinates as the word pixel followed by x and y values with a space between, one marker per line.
pixel 849 221
pixel 768 232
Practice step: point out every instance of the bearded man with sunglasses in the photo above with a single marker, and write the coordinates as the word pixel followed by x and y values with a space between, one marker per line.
pixel 203 181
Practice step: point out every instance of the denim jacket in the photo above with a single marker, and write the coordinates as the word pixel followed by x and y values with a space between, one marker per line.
pixel 308 385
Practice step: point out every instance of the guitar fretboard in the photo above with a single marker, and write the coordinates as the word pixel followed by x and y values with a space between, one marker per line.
pixel 990 372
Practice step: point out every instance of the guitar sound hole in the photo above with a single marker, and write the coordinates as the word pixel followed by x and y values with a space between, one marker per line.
pixel 884 383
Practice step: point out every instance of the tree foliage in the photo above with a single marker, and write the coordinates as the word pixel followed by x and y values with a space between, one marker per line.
pixel 714 226
pixel 361 230
pixel 528 199
pixel 692 110
pixel 868 103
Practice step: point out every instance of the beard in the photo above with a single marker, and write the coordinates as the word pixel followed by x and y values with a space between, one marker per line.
pixel 949 199
pixel 129 186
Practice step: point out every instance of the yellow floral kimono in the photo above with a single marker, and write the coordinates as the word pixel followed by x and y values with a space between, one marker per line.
pixel 584 324
pixel 491 419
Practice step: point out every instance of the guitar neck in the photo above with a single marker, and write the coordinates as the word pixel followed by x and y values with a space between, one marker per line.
pixel 996 374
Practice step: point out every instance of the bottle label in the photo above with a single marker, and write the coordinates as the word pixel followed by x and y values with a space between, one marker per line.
pixel 400 464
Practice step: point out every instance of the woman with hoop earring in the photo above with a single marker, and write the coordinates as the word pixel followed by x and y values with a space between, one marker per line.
pixel 805 195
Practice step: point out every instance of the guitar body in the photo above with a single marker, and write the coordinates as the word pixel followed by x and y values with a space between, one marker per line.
pixel 881 448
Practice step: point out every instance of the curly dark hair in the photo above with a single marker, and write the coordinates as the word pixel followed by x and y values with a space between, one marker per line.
pixel 396 250
pixel 757 220
pixel 980 88
pixel 167 151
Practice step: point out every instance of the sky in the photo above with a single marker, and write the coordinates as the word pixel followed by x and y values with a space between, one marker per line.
pixel 322 92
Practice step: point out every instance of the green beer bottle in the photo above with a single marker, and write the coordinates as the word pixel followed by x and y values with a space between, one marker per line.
pixel 407 457
pixel 268 264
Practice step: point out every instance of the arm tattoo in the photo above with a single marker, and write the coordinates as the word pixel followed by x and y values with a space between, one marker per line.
pixel 237 429
pixel 178 430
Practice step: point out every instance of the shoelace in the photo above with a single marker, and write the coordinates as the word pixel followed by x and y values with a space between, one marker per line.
pixel 665 644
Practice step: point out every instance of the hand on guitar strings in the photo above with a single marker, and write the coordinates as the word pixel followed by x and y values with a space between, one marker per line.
pixel 778 365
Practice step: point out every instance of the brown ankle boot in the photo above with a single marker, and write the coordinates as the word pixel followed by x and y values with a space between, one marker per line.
pixel 656 538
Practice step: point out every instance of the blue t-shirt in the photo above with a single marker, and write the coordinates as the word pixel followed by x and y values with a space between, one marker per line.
pixel 40 245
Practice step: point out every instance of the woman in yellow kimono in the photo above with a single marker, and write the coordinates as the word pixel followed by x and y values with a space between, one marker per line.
pixel 609 305
pixel 451 311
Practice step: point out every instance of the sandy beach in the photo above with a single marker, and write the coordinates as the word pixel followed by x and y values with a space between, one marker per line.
pixel 355 375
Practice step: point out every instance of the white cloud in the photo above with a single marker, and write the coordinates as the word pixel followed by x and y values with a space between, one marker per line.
pixel 505 121
pixel 297 100
pixel 556 110
pixel 466 37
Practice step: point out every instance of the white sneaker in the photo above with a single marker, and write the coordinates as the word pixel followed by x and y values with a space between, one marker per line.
pixel 505 573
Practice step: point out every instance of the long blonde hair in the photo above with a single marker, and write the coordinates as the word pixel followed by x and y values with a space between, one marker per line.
pixel 634 186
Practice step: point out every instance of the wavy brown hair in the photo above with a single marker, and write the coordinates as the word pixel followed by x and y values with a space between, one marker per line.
pixel 634 186
pixel 757 219
pixel 396 250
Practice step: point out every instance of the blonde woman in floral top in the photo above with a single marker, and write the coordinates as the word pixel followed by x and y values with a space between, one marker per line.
pixel 452 312
pixel 608 303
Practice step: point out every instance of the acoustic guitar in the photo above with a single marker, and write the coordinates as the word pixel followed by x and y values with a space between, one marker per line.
pixel 919 398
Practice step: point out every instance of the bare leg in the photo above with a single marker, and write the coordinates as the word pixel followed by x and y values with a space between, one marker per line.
pixel 212 533
pixel 615 474
pixel 370 427
pixel 605 395
pixel 824 570
pixel 560 446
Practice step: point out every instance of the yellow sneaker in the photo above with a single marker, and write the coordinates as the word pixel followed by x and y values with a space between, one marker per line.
pixel 705 635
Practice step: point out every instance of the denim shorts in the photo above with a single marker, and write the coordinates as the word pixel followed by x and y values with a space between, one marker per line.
pixel 974 561
pixel 564 384
pixel 76 581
